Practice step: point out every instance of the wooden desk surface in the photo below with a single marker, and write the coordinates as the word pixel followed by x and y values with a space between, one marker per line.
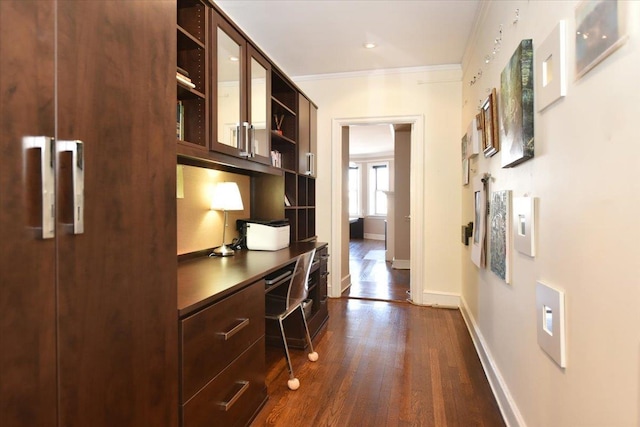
pixel 202 281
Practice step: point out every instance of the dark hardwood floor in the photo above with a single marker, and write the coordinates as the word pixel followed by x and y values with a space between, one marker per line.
pixel 383 364
pixel 371 276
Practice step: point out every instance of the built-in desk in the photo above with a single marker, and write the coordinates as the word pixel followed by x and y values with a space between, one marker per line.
pixel 222 330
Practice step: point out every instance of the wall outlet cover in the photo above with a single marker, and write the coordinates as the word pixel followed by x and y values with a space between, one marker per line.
pixel 551 322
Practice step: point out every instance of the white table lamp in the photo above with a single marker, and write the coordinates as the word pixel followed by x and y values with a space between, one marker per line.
pixel 226 197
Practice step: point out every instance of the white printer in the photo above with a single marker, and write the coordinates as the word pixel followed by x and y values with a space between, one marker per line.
pixel 264 235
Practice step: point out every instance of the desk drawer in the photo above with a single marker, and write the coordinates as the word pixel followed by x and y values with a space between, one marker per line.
pixel 212 338
pixel 233 397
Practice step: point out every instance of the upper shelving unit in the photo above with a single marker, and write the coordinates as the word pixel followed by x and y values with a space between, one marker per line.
pixel 191 106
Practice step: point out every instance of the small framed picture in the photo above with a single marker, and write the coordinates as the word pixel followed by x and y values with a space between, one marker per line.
pixel 490 143
pixel 600 30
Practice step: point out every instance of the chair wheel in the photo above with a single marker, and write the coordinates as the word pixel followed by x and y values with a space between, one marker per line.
pixel 293 384
pixel 313 356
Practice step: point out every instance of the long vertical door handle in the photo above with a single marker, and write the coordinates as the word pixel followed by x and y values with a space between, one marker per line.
pixel 311 164
pixel 246 150
pixel 71 190
pixel 41 180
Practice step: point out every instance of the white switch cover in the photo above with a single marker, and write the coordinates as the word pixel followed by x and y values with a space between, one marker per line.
pixel 550 321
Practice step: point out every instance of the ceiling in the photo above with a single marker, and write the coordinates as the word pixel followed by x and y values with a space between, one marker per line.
pixel 310 37
pixel 313 37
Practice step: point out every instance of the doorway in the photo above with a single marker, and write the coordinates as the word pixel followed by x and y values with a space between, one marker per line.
pixel 340 212
pixel 379 204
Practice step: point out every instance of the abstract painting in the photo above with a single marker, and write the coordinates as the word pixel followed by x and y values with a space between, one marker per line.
pixel 516 106
pixel 500 234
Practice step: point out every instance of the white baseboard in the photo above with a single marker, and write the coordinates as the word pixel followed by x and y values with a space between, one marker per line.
pixel 374 236
pixel 401 264
pixel 440 299
pixel 508 408
pixel 345 283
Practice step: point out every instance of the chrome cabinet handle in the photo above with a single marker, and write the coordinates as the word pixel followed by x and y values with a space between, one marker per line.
pixel 225 406
pixel 73 169
pixel 46 215
pixel 311 164
pixel 246 150
pixel 227 335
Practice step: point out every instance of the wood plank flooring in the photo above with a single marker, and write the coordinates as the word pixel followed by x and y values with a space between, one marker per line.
pixel 383 364
pixel 371 276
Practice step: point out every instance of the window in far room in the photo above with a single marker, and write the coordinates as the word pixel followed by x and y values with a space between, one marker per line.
pixel 378 184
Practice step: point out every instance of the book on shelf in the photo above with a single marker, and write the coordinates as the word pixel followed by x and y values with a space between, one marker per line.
pixel 180 120
pixel 276 159
pixel 185 81
pixel 183 72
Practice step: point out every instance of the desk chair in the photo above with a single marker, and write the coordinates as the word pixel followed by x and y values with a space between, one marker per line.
pixel 279 307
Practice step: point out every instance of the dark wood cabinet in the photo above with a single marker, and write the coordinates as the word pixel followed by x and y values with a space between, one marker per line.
pixel 307 136
pixel 27 262
pixel 240 91
pixel 223 365
pixel 88 325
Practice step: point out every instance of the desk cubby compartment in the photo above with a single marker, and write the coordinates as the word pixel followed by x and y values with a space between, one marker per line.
pixel 302 224
pixel 302 191
pixel 292 216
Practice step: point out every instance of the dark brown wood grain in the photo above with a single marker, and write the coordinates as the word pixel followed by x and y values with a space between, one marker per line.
pixel 371 276
pixel 383 364
pixel 204 351
pixel 27 264
pixel 117 340
pixel 204 281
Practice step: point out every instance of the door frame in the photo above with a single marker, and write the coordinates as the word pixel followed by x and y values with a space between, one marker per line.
pixel 416 209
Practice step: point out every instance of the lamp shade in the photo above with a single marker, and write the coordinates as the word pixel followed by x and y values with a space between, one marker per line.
pixel 226 197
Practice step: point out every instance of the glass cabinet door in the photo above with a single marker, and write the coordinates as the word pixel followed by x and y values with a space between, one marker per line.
pixel 228 111
pixel 259 106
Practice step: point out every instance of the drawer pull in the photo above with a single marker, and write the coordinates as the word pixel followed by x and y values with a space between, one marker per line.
pixel 225 406
pixel 227 335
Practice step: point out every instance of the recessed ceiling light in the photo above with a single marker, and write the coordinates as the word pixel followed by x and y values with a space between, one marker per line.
pixel 234 58
pixel 369 45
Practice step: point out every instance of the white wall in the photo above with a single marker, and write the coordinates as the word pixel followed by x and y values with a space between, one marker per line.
pixel 585 176
pixel 434 94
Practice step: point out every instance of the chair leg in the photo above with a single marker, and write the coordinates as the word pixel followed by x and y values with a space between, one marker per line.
pixel 313 356
pixel 293 382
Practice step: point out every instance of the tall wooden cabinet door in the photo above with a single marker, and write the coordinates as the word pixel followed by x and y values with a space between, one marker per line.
pixel 27 262
pixel 117 279
pixel 313 138
pixel 303 134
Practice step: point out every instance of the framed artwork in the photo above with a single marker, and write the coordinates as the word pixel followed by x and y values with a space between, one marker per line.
pixel 516 106
pixel 465 172
pixel 500 234
pixel 474 136
pixel 551 68
pixel 489 113
pixel 463 147
pixel 599 32
pixel 479 218
pixel 465 160
pixel 550 308
pixel 524 229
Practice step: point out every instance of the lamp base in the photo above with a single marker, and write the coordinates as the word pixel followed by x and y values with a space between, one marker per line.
pixel 223 250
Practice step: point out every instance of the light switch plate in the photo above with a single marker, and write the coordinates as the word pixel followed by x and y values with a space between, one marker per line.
pixel 551 322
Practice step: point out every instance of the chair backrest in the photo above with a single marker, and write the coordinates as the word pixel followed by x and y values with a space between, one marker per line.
pixel 298 287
